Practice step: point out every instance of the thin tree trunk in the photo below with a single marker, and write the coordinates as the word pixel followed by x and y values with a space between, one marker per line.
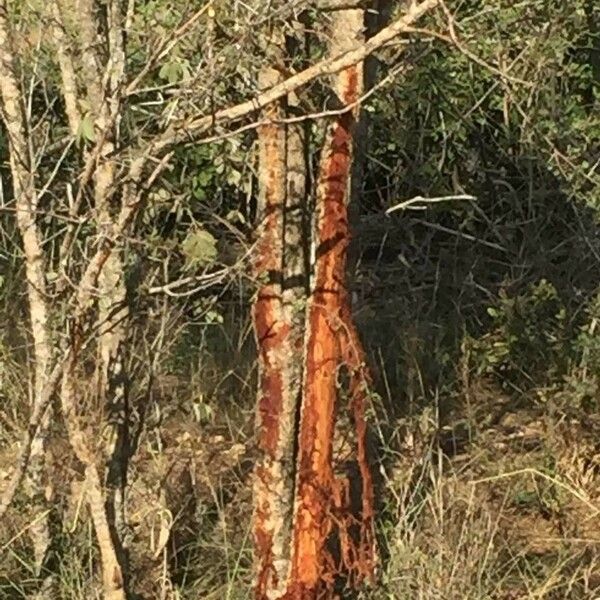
pixel 83 299
pixel 375 19
pixel 113 314
pixel 26 206
pixel 67 70
pixel 114 318
pixel 112 573
pixel 113 309
pixel 331 537
pixel 278 379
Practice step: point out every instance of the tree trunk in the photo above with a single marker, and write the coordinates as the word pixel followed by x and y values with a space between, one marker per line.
pixel 313 517
pixel 279 269
pixel 26 205
pixel 113 314
pixel 113 585
pixel 333 534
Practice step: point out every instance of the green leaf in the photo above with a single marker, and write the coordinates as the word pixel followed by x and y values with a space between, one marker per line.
pixel 171 72
pixel 213 316
pixel 86 129
pixel 235 216
pixel 199 248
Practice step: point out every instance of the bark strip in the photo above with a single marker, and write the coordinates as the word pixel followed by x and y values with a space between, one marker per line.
pixel 273 482
pixel 330 538
pixel 279 325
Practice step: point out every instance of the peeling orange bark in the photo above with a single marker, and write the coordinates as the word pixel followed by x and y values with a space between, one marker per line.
pixel 271 332
pixel 323 500
pixel 359 557
pixel 311 526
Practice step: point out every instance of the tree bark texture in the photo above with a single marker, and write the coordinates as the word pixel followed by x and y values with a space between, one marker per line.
pixel 333 536
pixel 26 206
pixel 102 95
pixel 313 502
pixel 277 314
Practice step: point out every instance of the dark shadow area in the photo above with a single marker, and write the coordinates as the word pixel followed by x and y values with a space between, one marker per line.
pixel 428 280
pixel 476 315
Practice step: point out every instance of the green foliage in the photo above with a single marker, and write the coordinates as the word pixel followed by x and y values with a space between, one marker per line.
pixel 528 337
pixel 174 70
pixel 449 108
pixel 199 248
pixel 86 131
pixel 581 389
pixel 587 343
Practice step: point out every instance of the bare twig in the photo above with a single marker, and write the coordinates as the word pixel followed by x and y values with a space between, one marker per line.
pixel 422 202
pixel 191 129
pixel 460 234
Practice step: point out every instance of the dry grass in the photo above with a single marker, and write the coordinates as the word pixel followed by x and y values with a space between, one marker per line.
pixel 490 477
pixel 512 515
pixel 500 503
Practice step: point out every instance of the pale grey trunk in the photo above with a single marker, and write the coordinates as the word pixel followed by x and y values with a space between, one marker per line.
pixel 113 311
pixel 82 441
pixel 113 315
pixel 26 204
pixel 67 70
pixel 273 474
pixel 102 79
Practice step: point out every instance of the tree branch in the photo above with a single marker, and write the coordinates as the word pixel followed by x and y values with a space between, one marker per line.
pixel 189 130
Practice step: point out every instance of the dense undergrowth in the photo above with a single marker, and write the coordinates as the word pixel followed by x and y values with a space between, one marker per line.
pixel 484 421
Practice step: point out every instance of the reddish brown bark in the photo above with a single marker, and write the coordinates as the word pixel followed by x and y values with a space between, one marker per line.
pixel 323 500
pixel 311 527
pixel 271 333
pixel 279 339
